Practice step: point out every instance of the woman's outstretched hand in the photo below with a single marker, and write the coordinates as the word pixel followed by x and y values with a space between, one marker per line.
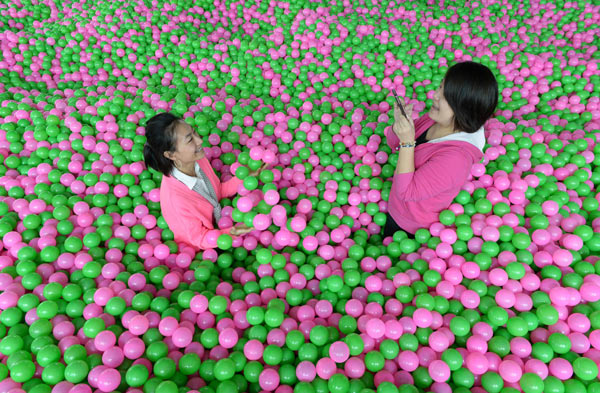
pixel 259 170
pixel 240 229
pixel 403 127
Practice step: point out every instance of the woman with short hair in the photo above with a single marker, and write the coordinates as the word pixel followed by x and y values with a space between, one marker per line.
pixel 437 151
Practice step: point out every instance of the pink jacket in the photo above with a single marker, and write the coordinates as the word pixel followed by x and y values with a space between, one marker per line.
pixel 188 214
pixel 442 166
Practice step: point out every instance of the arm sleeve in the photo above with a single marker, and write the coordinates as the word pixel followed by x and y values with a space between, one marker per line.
pixel 229 188
pixel 445 171
pixel 391 138
pixel 195 232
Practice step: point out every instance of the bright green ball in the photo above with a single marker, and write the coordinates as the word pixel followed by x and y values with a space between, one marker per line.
pixel 272 355
pixel 374 361
pixel 531 383
pixel 355 344
pixel 387 387
pixel 217 305
pixel 547 314
pixel 585 368
pixel 22 371
pixel 319 335
pixel 167 387
pixel 492 382
pixel 389 349
pixel 93 326
pixel 11 344
pixel 521 241
pixel 32 221
pixel 460 326
pixel 76 371
pixel 338 383
pixel 255 315
pixel 224 369
pixel 463 378
pixel 453 359
pixel 48 354
pixel 164 368
pixel 137 375
pixel 517 327
pixel 224 242
pixel 447 217
pixel 483 206
pixel 53 373
pixel 559 343
pixel 75 352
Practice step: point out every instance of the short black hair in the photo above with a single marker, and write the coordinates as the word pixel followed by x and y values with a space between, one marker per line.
pixel 160 137
pixel 471 90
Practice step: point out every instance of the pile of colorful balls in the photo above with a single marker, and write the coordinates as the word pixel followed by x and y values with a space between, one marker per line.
pixel 502 295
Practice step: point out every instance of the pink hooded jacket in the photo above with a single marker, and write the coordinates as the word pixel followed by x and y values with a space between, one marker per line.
pixel 188 214
pixel 442 166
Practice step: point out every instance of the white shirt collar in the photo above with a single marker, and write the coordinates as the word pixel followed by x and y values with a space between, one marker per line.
pixel 476 138
pixel 188 180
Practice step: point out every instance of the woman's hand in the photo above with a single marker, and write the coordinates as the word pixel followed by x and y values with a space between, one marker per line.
pixel 259 170
pixel 403 127
pixel 240 229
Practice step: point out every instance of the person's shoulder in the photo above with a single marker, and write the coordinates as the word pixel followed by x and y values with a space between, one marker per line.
pixel 172 190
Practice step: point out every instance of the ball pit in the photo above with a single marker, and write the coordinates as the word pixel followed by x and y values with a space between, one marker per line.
pixel 501 295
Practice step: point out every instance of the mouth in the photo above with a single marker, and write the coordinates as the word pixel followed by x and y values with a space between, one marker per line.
pixel 200 151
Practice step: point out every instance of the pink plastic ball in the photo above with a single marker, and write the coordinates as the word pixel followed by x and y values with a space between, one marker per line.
pixel 109 380
pixel 325 368
pixel 253 350
pixel 244 204
pixel 375 328
pixel 182 337
pixel 439 371
pixel 510 371
pixel 167 326
pixel 477 363
pixel 354 367
pixel 228 338
pixel 339 352
pixel 306 371
pixel 268 379
pixel 138 325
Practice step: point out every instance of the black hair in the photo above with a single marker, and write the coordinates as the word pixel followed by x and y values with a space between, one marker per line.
pixel 471 90
pixel 160 137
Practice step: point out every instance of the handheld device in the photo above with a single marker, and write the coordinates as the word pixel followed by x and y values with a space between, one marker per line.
pixel 398 102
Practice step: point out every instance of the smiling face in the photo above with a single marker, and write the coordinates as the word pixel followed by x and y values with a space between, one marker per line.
pixel 188 145
pixel 440 111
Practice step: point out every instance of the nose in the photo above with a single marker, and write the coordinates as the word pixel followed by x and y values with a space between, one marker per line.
pixel 198 140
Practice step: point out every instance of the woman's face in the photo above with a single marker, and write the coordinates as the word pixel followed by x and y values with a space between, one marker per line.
pixel 188 145
pixel 440 111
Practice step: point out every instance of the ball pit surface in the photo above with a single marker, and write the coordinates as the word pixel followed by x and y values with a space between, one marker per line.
pixel 501 295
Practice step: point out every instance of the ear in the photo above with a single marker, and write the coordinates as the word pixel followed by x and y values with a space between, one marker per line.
pixel 168 155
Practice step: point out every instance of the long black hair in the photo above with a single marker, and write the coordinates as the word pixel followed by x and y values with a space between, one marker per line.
pixel 472 92
pixel 160 137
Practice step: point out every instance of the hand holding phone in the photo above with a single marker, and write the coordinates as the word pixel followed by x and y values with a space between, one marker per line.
pixel 403 126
